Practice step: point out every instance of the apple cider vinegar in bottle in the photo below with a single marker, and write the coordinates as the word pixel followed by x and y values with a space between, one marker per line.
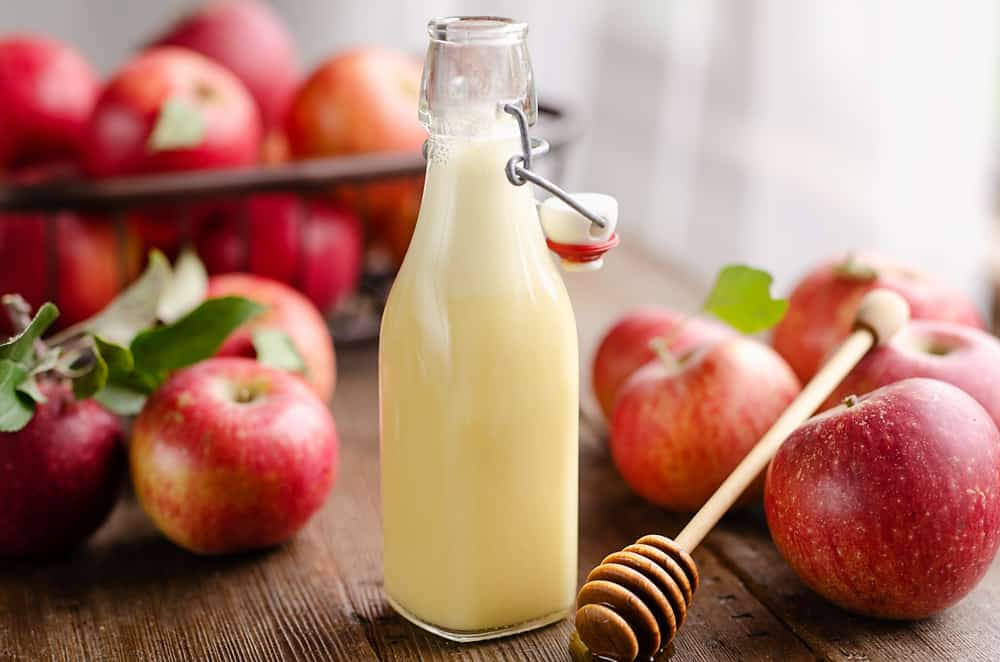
pixel 478 371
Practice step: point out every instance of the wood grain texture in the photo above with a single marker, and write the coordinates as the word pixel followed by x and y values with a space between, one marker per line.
pixel 964 632
pixel 131 595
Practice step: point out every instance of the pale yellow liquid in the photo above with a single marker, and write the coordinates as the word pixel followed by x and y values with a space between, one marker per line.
pixel 479 404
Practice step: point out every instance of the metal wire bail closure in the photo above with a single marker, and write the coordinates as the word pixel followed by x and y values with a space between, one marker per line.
pixel 587 252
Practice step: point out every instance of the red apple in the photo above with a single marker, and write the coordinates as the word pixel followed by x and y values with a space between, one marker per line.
pixel 889 505
pixel 48 91
pixel 258 234
pixel 214 121
pixel 822 306
pixel 359 102
pixel 625 346
pixel 678 431
pixel 59 476
pixel 289 311
pixel 250 39
pixel 229 455
pixel 314 246
pixel 960 355
pixel 79 262
pixel 332 252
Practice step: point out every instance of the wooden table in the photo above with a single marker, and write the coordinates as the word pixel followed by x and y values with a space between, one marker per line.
pixel 130 595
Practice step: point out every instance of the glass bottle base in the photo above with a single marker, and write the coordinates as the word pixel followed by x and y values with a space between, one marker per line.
pixel 468 636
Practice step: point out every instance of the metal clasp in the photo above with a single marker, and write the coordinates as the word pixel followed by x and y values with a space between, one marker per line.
pixel 519 168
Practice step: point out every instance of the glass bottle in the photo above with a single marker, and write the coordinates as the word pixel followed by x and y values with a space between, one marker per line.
pixel 478 366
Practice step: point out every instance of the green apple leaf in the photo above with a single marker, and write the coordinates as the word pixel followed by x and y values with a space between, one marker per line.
pixel 121 400
pixel 119 359
pixel 134 309
pixel 20 347
pixel 111 362
pixel 276 349
pixel 186 288
pixel 16 407
pixel 741 297
pixel 180 124
pixel 87 384
pixel 194 337
pixel 29 387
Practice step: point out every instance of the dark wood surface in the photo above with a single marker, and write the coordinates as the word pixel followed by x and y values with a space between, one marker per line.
pixel 130 595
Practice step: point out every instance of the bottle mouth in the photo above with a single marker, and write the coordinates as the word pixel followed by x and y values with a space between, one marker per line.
pixel 478 29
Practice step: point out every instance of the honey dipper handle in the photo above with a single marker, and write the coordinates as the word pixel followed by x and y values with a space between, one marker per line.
pixel 879 316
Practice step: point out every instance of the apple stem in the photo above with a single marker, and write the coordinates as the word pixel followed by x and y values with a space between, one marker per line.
pixel 853 269
pixel 18 312
pixel 244 394
pixel 850 401
pixel 73 332
pixel 659 347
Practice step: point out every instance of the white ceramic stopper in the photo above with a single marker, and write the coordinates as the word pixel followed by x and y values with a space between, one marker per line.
pixel 564 225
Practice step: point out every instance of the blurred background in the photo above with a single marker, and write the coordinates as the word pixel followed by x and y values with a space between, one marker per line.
pixel 774 132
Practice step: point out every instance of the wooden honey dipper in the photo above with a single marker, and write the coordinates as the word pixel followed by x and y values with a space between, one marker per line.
pixel 633 602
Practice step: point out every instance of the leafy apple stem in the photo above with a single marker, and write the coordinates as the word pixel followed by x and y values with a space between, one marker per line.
pixel 124 352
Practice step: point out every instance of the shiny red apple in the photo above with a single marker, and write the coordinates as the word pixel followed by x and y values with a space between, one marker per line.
pixel 960 355
pixel 625 346
pixel 822 306
pixel 229 455
pixel 249 39
pixel 59 476
pixel 289 311
pixel 889 505
pixel 360 102
pixel 678 431
pixel 202 115
pixel 313 245
pixel 47 91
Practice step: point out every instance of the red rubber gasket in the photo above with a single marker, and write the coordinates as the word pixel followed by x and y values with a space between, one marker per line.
pixel 583 252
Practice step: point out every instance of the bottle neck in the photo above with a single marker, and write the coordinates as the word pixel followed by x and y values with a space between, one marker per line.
pixel 474 66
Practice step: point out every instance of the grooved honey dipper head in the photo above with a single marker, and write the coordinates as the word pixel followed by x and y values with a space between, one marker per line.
pixel 634 601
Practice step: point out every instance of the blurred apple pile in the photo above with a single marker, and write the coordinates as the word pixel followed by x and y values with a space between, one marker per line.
pixel 220 89
pixel 887 502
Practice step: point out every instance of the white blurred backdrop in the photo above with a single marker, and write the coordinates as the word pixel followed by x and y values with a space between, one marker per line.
pixel 775 132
